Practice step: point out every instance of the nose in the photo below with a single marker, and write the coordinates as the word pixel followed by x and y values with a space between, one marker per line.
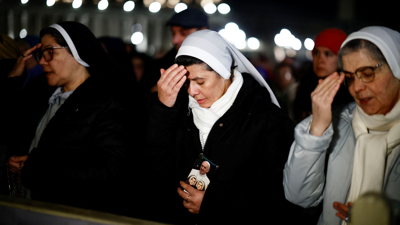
pixel 321 58
pixel 358 85
pixel 192 90
pixel 42 62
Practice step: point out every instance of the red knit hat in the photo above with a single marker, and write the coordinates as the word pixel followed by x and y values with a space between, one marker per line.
pixel 331 38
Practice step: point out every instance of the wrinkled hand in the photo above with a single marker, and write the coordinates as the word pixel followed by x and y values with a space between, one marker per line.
pixel 193 202
pixel 322 98
pixel 342 209
pixel 21 63
pixel 16 163
pixel 170 83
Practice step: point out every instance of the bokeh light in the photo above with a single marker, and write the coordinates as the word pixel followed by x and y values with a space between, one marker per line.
pixel 103 4
pixel 23 33
pixel 286 39
pixel 76 4
pixel 129 6
pixel 279 53
pixel 309 44
pixel 231 26
pixel 137 27
pixel 24 1
pixel 50 2
pixel 210 8
pixel 224 8
pixel 137 38
pixel 180 7
pixel 253 43
pixel 154 7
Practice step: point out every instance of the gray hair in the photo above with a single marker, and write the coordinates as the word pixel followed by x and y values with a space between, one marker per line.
pixel 356 45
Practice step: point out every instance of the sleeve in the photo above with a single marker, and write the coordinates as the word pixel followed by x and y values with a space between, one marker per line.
pixel 304 172
pixel 99 155
pixel 161 131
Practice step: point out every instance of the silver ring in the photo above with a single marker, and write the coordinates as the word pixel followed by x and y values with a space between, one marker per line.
pixel 23 55
pixel 187 199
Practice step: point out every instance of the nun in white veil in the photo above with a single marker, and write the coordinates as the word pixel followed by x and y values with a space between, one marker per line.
pixel 234 119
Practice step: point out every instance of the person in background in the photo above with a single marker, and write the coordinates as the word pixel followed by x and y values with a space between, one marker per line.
pixel 340 153
pixel 34 69
pixel 116 49
pixel 142 67
pixel 9 54
pixel 285 87
pixel 327 45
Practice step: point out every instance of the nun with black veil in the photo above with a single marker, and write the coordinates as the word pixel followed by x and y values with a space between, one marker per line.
pixel 234 120
pixel 74 145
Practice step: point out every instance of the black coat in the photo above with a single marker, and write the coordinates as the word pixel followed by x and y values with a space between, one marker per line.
pixel 250 143
pixel 84 153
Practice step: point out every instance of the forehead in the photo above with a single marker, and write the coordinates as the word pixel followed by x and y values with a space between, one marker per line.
pixel 355 60
pixel 48 41
pixel 197 71
pixel 322 49
pixel 176 29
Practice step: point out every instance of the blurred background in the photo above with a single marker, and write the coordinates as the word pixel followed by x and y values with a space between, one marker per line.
pixel 266 31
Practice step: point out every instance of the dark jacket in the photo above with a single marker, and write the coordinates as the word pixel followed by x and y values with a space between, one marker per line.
pixel 303 103
pixel 83 154
pixel 250 143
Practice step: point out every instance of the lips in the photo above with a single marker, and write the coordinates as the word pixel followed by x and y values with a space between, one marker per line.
pixel 201 101
pixel 365 101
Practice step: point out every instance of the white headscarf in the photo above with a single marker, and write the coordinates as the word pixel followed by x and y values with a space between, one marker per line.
pixel 220 55
pixel 386 39
pixel 377 135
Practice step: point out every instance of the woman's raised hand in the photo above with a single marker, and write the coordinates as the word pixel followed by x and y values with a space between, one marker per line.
pixel 322 98
pixel 192 200
pixel 170 83
pixel 21 63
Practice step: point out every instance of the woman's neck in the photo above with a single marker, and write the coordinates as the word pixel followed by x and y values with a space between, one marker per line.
pixel 82 75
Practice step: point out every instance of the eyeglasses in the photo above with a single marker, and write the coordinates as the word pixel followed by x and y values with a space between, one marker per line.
pixel 365 74
pixel 47 53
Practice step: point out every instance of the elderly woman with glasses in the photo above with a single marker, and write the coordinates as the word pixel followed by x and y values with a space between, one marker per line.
pixel 337 156
pixel 72 137
pixel 234 120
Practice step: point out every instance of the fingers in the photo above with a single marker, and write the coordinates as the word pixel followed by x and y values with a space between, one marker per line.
pixel 174 76
pixel 29 51
pixel 323 85
pixel 342 210
pixel 178 79
pixel 19 158
pixel 164 72
pixel 14 166
pixel 169 84
pixel 182 193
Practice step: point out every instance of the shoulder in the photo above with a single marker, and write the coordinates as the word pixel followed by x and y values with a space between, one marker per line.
pixel 258 98
pixel 257 104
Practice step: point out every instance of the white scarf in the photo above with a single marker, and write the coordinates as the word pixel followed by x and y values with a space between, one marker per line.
pixel 205 118
pixel 372 149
